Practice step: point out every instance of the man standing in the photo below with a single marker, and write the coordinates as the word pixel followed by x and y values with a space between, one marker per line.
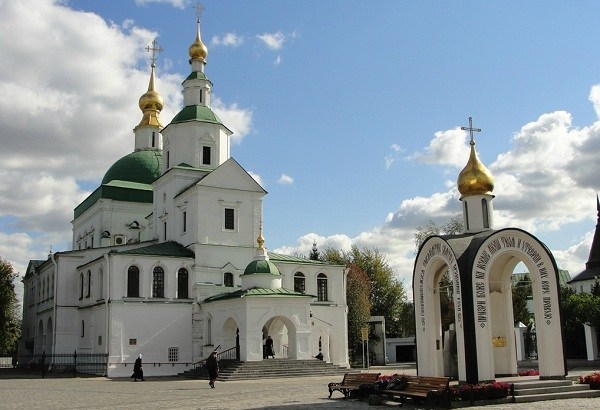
pixel 212 365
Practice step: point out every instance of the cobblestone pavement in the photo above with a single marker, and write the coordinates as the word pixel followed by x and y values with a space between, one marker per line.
pixel 163 393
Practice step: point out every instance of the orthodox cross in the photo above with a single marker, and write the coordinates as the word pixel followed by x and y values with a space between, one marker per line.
pixel 154 49
pixel 470 128
pixel 199 9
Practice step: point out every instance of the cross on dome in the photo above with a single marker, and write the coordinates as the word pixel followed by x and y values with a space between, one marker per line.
pixel 199 9
pixel 471 129
pixel 154 50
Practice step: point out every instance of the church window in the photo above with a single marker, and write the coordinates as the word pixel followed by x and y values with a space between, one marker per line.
pixel 52 286
pixel 173 354
pixel 81 286
pixel 206 155
pixel 201 96
pixel 158 282
pixel 228 279
pixel 484 210
pixel 299 282
pixel 153 138
pixel 92 242
pixel 133 282
pixel 89 284
pixel 99 340
pixel 321 287
pixel 182 283
pixel 85 246
pixel 82 328
pixel 167 162
pixel 184 221
pixel 229 218
pixel 467 214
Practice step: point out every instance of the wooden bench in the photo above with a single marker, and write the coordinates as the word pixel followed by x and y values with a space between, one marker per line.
pixel 352 382
pixel 418 387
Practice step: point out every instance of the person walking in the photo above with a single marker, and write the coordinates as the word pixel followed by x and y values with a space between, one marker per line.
pixel 138 371
pixel 212 365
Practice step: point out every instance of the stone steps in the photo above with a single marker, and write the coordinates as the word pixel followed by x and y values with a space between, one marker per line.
pixel 542 390
pixel 275 368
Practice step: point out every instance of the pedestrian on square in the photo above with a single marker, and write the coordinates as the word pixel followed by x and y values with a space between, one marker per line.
pixel 269 346
pixel 138 372
pixel 212 365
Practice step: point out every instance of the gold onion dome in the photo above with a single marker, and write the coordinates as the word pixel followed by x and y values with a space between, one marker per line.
pixel 475 179
pixel 151 103
pixel 198 50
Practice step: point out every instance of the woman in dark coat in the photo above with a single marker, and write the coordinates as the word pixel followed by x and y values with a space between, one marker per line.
pixel 212 365
pixel 138 372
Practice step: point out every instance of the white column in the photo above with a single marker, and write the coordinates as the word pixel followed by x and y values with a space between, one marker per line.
pixel 591 342
pixel 520 340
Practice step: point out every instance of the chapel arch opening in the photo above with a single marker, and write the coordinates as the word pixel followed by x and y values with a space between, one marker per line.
pixel 283 334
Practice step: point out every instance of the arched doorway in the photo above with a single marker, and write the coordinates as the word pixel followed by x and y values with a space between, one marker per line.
pixel 283 333
pixel 434 261
pixel 493 265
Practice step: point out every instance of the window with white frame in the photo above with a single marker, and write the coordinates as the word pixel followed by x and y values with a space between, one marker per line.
pixel 229 219
pixel 321 287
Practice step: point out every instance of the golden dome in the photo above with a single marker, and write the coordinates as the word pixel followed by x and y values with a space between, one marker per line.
pixel 151 103
pixel 260 240
pixel 198 50
pixel 475 179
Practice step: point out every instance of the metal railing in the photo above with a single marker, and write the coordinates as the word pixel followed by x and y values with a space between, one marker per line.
pixel 63 363
pixel 225 359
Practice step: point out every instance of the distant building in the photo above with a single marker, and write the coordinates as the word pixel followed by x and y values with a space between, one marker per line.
pixel 584 281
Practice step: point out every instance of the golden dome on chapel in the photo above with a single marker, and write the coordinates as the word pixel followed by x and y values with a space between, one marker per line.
pixel 475 179
pixel 151 104
pixel 198 50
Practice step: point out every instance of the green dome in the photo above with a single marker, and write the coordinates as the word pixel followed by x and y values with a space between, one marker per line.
pixel 261 267
pixel 143 167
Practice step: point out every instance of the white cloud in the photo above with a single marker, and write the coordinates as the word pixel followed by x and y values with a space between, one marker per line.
pixel 257 178
pixel 285 180
pixel 238 120
pixel 273 41
pixel 393 156
pixel 446 148
pixel 277 60
pixel 180 4
pixel 228 40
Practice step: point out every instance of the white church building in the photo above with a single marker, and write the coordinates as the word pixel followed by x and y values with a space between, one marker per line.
pixel 168 257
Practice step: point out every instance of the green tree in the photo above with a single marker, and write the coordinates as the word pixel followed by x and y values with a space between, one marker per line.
pixel 387 295
pixel 314 253
pixel 520 292
pixel 358 289
pixel 453 226
pixel 10 329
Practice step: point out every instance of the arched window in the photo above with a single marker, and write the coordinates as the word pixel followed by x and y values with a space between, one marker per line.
pixel 89 283
pixel 321 287
pixel 182 283
pixel 133 282
pixel 82 328
pixel 299 282
pixel 81 286
pixel 158 282
pixel 228 279
pixel 43 289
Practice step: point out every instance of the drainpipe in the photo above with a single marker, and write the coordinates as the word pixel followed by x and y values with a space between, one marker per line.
pixel 106 301
pixel 55 310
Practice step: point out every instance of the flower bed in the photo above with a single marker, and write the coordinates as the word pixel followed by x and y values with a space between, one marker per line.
pixel 530 372
pixel 592 379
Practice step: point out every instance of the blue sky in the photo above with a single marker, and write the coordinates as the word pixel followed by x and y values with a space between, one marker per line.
pixel 348 113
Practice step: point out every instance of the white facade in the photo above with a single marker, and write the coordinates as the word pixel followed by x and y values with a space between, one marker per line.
pixel 163 243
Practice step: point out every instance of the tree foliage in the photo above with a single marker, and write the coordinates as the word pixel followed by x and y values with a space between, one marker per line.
pixel 314 253
pixel 387 295
pixel 358 289
pixel 453 226
pixel 10 329
pixel 520 292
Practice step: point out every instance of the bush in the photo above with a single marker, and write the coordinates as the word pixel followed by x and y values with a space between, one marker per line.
pixel 592 379
pixel 530 372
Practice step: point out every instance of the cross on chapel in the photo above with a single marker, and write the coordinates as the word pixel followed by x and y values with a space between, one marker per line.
pixel 470 128
pixel 199 9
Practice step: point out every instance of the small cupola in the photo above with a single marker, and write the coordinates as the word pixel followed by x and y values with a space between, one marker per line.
pixel 261 273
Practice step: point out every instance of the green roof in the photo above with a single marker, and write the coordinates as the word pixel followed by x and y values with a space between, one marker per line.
pixel 257 292
pixel 143 167
pixel 197 75
pixel 196 113
pixel 169 248
pixel 277 257
pixel 119 191
pixel 261 267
